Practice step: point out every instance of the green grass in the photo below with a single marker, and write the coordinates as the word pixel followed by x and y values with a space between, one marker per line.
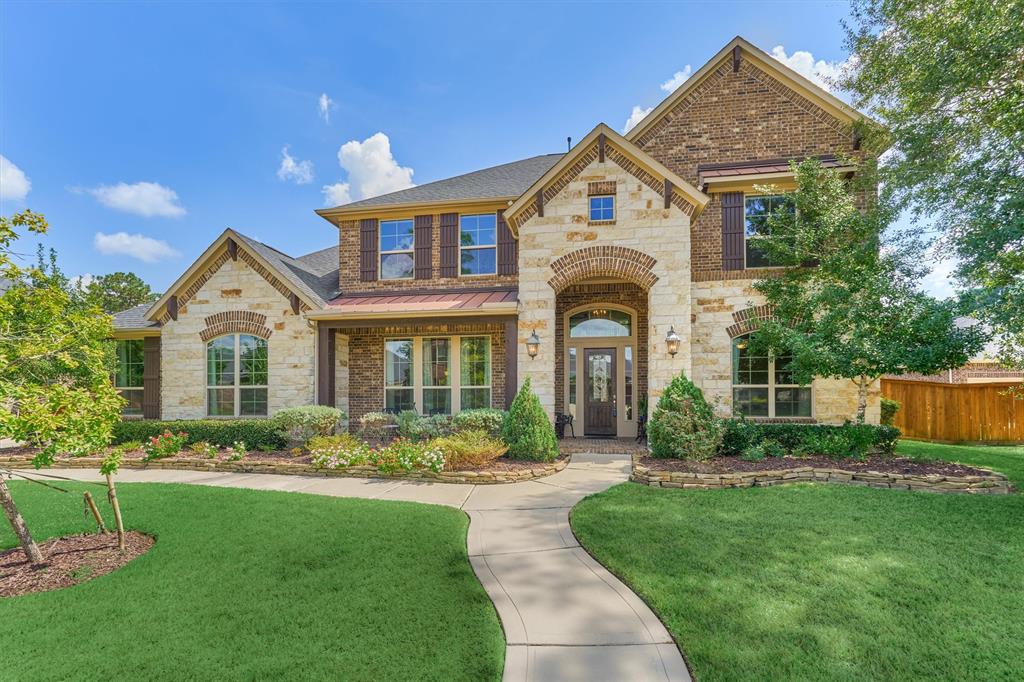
pixel 822 582
pixel 254 585
pixel 1007 460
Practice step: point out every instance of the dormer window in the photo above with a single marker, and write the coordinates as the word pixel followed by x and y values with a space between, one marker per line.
pixel 478 238
pixel 396 249
pixel 602 209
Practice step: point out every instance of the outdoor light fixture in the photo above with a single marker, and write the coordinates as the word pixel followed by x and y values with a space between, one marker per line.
pixel 533 344
pixel 672 341
pixel 742 345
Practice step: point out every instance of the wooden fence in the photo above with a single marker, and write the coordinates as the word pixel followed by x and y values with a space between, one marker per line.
pixel 957 413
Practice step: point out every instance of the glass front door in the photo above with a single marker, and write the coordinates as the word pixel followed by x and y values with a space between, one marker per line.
pixel 599 391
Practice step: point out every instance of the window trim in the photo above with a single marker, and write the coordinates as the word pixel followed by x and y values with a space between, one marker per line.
pixel 771 386
pixel 236 386
pixel 454 369
pixel 381 253
pixel 590 209
pixel 746 237
pixel 134 389
pixel 479 247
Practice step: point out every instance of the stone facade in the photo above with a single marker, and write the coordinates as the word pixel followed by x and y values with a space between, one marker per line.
pixel 234 291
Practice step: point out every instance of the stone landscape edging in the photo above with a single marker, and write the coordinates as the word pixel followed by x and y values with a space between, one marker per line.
pixel 256 467
pixel 991 483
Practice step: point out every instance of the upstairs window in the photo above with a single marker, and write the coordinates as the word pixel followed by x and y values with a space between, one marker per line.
pixel 762 385
pixel 396 249
pixel 128 379
pixel 478 238
pixel 602 208
pixel 236 376
pixel 757 210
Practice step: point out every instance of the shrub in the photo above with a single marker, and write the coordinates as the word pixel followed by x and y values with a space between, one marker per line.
pixel 754 453
pixel 237 451
pixel 203 449
pixel 527 431
pixel 847 440
pixel 376 425
pixel 684 425
pixel 469 449
pixel 740 434
pixel 485 419
pixel 256 433
pixel 299 424
pixel 889 410
pixel 406 455
pixel 164 445
pixel 337 452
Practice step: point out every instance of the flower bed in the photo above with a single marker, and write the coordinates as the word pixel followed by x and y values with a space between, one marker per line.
pixel 875 472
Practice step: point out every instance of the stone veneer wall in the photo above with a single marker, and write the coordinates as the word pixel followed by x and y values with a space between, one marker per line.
pixel 234 287
pixel 835 400
pixel 641 224
pixel 364 385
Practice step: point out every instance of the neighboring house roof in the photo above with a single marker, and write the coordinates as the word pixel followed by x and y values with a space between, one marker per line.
pixel 418 305
pixel 134 318
pixel 507 181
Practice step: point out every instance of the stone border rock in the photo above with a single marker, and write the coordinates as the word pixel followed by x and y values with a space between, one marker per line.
pixel 992 483
pixel 257 467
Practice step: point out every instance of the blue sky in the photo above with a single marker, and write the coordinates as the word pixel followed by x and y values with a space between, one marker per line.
pixel 143 130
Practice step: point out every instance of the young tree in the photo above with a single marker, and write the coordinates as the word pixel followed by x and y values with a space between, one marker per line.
pixel 947 81
pixel 117 291
pixel 846 308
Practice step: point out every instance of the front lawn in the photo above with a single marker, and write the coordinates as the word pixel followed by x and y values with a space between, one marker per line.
pixel 245 584
pixel 820 582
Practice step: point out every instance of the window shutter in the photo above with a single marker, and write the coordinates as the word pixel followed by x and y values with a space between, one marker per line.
pixel 732 231
pixel 368 250
pixel 507 248
pixel 423 239
pixel 449 244
pixel 151 377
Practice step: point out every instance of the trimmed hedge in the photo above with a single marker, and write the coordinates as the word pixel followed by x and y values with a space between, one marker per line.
pixel 259 434
pixel 856 439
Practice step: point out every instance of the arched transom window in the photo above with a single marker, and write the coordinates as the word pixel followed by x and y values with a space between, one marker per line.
pixel 763 387
pixel 600 322
pixel 236 376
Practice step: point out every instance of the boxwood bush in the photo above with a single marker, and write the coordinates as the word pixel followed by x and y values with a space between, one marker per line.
pixel 846 440
pixel 684 425
pixel 261 434
pixel 528 432
pixel 481 419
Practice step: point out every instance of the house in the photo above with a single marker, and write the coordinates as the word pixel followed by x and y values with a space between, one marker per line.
pixel 599 274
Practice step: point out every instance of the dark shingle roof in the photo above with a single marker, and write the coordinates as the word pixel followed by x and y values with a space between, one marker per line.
pixel 134 318
pixel 506 180
pixel 314 274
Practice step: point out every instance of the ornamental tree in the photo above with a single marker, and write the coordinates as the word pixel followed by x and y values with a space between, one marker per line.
pixel 117 291
pixel 844 307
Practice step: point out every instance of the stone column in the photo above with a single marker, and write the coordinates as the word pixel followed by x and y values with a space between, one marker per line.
pixel 341 374
pixel 537 314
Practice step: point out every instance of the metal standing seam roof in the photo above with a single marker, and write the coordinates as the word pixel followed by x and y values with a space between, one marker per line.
pixel 717 170
pixel 465 300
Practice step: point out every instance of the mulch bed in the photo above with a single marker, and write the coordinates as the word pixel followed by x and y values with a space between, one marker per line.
pixel 893 465
pixel 69 561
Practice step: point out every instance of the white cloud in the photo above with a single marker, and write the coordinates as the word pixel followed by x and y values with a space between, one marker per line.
pixel 372 170
pixel 142 198
pixel 820 72
pixel 146 249
pixel 677 79
pixel 324 106
pixel 299 172
pixel 635 117
pixel 82 281
pixel 14 184
pixel 336 194
pixel 939 282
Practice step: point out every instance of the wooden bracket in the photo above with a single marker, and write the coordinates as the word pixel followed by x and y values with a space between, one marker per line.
pixel 540 203
pixel 668 193
pixel 294 300
pixel 232 248
pixel 736 59
pixel 172 307
pixel 600 148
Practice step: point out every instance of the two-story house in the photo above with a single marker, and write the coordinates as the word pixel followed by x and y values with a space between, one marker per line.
pixel 599 273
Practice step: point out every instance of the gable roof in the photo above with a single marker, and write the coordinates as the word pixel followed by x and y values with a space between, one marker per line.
pixel 815 93
pixel 602 134
pixel 134 319
pixel 505 181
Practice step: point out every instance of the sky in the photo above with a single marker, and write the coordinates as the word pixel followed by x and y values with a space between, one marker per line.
pixel 143 130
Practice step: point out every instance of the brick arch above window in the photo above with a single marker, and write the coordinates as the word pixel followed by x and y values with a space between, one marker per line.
pixel 746 319
pixel 235 322
pixel 603 261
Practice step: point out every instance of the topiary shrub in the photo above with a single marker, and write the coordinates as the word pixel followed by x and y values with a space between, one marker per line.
pixel 299 424
pixel 527 431
pixel 483 419
pixel 889 410
pixel 684 425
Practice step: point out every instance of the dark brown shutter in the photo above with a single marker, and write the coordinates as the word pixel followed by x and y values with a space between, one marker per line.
pixel 424 238
pixel 507 248
pixel 151 377
pixel 732 231
pixel 368 250
pixel 449 244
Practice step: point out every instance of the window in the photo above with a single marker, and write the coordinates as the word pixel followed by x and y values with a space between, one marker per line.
pixel 128 379
pixel 600 322
pixel 236 376
pixel 627 354
pixel 763 387
pixel 756 211
pixel 437 375
pixel 477 244
pixel 572 381
pixel 396 249
pixel 602 208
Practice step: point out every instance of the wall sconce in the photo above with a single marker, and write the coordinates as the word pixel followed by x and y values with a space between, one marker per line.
pixel 672 341
pixel 533 344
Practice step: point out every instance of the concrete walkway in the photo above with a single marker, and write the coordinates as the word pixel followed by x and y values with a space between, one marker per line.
pixel 565 617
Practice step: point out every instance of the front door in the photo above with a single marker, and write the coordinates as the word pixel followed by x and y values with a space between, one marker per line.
pixel 599 391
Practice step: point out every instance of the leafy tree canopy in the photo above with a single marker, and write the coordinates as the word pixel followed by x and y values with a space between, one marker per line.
pixel 118 291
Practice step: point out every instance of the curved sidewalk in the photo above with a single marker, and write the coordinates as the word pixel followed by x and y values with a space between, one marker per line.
pixel 565 617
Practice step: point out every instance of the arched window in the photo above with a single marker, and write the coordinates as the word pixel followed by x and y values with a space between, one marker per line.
pixel 236 376
pixel 762 386
pixel 600 322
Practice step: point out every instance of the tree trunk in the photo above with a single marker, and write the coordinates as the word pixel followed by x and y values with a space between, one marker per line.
pixel 95 512
pixel 18 524
pixel 112 493
pixel 862 399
